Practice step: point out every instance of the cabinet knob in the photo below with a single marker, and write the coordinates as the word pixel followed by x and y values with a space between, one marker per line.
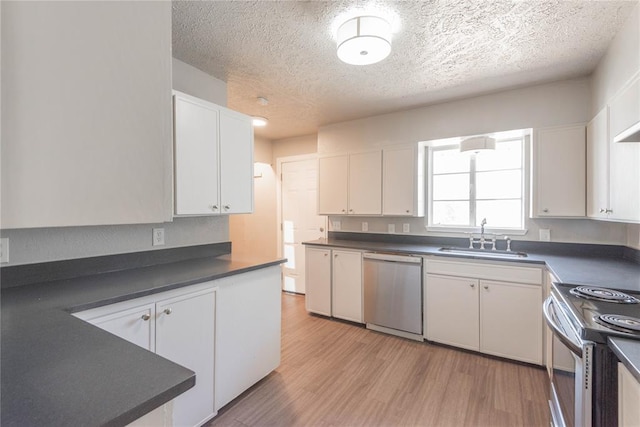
pixel 545 210
pixel 343 210
pixel 335 255
pixel 168 311
pixel 603 210
pixel 407 211
pixel 325 254
pixel 350 210
pixel 321 229
pixel 146 317
pixel 472 285
pixel 214 207
pixel 227 207
pixel 608 211
pixel 486 286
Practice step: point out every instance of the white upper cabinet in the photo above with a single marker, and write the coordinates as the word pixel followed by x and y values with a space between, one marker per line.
pixel 365 183
pixel 559 172
pixel 598 166
pixel 213 154
pixel 350 184
pixel 403 181
pixel 86 113
pixel 236 162
pixel 625 111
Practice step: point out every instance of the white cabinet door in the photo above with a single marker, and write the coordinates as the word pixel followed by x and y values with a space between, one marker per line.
pixel 347 285
pixel 625 107
pixel 452 311
pixel 134 324
pixel 185 335
pixel 236 162
pixel 196 156
pixel 247 331
pixel 598 166
pixel 511 321
pixel 624 180
pixel 628 398
pixel 318 280
pixel 333 176
pixel 365 183
pixel 402 181
pixel 559 176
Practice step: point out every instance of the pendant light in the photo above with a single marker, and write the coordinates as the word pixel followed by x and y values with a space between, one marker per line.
pixel 477 144
pixel 364 40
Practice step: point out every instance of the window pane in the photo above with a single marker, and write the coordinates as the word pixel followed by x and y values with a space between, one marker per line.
pixel 450 161
pixel 498 185
pixel 507 155
pixel 451 187
pixel 450 213
pixel 500 213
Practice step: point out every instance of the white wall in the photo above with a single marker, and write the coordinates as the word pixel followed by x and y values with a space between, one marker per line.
pixel 551 104
pixel 50 244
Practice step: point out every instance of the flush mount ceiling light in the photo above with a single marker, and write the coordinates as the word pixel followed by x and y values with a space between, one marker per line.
pixel 259 121
pixel 364 40
pixel 477 144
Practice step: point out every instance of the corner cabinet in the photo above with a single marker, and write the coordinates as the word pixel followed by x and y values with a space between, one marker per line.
pixel 558 172
pixel 403 181
pixel 350 184
pixel 213 158
pixel 486 307
pixel 177 325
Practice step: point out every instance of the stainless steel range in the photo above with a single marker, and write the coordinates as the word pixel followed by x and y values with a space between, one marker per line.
pixel 584 379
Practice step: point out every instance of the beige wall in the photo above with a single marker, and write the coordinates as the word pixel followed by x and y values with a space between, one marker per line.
pixel 256 234
pixel 306 144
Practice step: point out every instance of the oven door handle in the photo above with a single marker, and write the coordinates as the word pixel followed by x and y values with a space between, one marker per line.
pixel 553 323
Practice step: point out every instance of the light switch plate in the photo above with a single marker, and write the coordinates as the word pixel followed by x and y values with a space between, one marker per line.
pixel 406 228
pixel 4 250
pixel 365 226
pixel 545 235
pixel 391 228
pixel 336 225
pixel 158 236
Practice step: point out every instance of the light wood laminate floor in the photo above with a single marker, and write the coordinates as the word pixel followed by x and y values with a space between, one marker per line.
pixel 338 374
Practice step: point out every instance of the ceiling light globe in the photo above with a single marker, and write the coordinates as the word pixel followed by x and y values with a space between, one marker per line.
pixel 364 40
pixel 259 121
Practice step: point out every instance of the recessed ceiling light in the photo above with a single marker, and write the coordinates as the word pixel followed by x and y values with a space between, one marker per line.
pixel 262 100
pixel 259 121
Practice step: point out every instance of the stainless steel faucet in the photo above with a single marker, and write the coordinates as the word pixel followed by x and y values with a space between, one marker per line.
pixel 482 224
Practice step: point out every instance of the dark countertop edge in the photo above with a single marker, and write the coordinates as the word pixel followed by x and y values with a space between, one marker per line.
pixel 152 404
pixel 628 352
pixel 171 286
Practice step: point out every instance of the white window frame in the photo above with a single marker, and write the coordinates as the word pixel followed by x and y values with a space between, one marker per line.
pixel 431 146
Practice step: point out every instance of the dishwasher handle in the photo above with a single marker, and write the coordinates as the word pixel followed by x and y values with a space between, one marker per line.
pixel 386 257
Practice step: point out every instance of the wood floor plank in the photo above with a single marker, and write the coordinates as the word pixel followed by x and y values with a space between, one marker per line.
pixel 334 373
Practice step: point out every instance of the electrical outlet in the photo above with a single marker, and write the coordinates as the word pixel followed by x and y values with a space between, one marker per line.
pixel 406 228
pixel 545 235
pixel 365 226
pixel 336 225
pixel 158 236
pixel 391 228
pixel 4 250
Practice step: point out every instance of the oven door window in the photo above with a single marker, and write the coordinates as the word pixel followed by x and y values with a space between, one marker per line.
pixel 564 380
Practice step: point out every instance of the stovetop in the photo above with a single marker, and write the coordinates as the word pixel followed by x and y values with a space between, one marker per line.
pixel 586 313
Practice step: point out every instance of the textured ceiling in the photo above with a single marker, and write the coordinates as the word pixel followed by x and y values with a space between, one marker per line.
pixel 285 51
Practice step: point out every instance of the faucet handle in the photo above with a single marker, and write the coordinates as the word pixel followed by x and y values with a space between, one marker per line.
pixel 508 239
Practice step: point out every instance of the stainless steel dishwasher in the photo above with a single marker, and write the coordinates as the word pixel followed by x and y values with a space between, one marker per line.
pixel 393 294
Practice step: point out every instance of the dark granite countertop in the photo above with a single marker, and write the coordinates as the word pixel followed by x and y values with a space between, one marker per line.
pixel 628 352
pixel 578 267
pixel 60 371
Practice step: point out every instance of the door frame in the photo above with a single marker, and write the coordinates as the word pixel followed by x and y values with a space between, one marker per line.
pixel 279 162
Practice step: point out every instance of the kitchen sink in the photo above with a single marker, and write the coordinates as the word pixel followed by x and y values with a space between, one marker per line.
pixel 489 253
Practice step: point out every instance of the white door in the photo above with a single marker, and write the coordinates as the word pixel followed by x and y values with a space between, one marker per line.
pixel 300 220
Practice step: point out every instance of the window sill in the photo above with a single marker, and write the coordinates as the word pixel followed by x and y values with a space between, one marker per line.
pixel 476 230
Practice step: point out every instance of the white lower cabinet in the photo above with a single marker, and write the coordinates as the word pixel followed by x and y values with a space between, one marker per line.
pixel 628 398
pixel 179 326
pixel 318 280
pixel 248 319
pixel 486 310
pixel 346 275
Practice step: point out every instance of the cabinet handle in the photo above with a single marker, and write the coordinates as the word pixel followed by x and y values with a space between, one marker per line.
pixel 603 210
pixel 343 210
pixel 472 285
pixel 146 317
pixel 350 210
pixel 486 286
pixel 168 311
pixel 214 207
pixel 325 254
pixel 608 211
pixel 545 210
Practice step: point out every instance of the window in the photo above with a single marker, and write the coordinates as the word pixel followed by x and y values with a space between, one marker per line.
pixel 465 188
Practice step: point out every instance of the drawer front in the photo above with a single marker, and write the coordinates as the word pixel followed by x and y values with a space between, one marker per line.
pixel 500 272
